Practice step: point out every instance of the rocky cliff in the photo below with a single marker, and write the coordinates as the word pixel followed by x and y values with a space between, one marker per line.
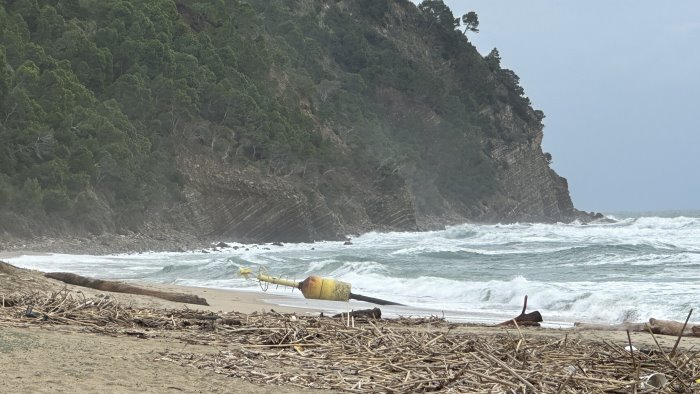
pixel 530 191
pixel 231 204
pixel 261 121
pixel 342 201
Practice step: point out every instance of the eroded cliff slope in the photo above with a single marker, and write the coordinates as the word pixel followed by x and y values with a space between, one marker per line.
pixel 261 121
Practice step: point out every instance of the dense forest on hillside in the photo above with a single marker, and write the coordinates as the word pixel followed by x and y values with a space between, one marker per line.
pixel 101 97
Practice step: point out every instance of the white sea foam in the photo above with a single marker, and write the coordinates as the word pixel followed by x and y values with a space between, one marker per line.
pixel 628 270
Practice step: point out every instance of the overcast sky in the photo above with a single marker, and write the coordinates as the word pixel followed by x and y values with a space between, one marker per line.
pixel 619 82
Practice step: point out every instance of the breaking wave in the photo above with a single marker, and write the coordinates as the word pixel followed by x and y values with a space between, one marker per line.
pixel 630 269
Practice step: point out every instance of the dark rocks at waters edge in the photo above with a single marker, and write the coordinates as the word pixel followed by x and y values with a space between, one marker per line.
pixel 600 218
pixel 167 240
pixel 596 218
pixel 102 244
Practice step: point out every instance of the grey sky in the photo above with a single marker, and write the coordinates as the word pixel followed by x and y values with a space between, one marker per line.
pixel 619 82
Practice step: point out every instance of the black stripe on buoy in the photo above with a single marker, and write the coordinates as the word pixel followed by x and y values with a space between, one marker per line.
pixel 373 300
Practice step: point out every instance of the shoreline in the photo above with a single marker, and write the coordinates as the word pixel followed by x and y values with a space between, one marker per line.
pixel 114 342
pixel 289 302
pixel 252 302
pixel 255 302
pixel 243 301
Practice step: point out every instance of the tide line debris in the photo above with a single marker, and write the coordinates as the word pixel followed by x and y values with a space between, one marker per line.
pixel 393 355
pixel 532 319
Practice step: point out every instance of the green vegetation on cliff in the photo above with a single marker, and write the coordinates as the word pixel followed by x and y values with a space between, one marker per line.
pixel 99 99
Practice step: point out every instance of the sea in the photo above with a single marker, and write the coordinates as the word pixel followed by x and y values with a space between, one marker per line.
pixel 627 269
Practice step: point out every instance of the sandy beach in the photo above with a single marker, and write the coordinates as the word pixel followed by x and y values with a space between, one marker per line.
pixel 51 358
pixel 97 352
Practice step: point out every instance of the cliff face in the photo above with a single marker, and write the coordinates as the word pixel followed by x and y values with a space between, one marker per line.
pixel 244 205
pixel 530 191
pixel 260 120
pixel 384 193
pixel 224 202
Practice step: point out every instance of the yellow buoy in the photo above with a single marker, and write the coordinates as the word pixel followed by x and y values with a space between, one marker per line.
pixel 317 288
pixel 314 287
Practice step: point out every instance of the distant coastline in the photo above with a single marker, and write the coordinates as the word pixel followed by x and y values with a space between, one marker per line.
pixel 664 213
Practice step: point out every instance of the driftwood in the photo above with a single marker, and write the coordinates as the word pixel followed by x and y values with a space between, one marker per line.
pixel 374 313
pixel 400 355
pixel 118 287
pixel 670 327
pixel 632 327
pixel 531 319
pixel 661 327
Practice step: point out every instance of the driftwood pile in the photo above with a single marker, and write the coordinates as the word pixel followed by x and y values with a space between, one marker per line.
pixel 363 355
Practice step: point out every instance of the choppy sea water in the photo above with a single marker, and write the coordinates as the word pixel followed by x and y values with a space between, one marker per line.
pixel 630 270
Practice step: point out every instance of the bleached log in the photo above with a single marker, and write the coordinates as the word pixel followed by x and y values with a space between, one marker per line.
pixel 670 327
pixel 118 287
pixel 661 327
pixel 633 327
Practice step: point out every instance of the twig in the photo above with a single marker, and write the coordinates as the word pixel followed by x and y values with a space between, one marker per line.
pixel 680 335
pixel 509 369
pixel 659 346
